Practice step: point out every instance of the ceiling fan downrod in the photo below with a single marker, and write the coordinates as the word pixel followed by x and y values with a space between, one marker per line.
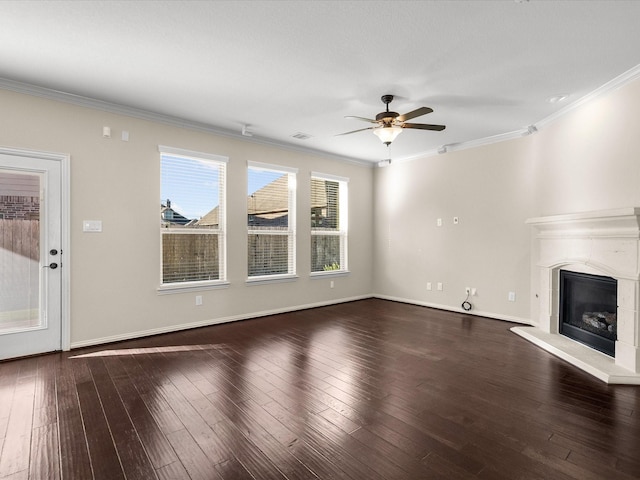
pixel 387 117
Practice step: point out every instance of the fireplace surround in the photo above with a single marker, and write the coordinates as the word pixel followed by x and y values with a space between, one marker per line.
pixel 603 243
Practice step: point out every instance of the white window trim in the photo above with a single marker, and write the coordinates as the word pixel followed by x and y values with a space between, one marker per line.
pixel 328 176
pixel 221 231
pixel 271 167
pixel 169 288
pixel 329 273
pixel 291 231
pixel 181 152
pixel 262 279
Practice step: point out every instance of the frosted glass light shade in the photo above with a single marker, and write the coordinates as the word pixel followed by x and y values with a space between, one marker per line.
pixel 387 134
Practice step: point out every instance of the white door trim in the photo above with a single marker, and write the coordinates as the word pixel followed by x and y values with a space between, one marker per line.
pixel 65 208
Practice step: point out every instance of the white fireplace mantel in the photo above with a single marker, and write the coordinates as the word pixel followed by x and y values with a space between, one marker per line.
pixel 602 243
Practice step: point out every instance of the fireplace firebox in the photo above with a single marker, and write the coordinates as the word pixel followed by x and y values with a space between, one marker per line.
pixel 588 310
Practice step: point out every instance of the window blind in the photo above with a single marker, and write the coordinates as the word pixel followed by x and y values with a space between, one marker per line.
pixel 329 224
pixel 192 217
pixel 270 220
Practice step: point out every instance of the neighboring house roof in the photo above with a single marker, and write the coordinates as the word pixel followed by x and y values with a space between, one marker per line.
pixel 172 217
pixel 269 205
pixel 209 219
pixel 268 202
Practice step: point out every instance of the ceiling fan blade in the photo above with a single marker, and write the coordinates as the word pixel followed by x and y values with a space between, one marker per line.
pixel 424 126
pixel 354 131
pixel 362 118
pixel 415 113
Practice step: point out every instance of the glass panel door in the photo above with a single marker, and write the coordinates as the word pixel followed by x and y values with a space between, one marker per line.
pixel 19 251
pixel 30 255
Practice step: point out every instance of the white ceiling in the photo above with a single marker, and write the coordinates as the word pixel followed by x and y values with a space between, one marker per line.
pixel 283 67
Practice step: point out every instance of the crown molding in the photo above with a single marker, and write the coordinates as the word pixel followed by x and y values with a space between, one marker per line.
pixel 79 100
pixel 479 142
pixel 19 87
pixel 609 87
pixel 618 82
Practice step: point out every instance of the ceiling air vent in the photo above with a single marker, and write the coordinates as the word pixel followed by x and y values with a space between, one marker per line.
pixel 301 136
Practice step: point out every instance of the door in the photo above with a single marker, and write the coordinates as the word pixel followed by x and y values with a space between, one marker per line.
pixel 30 255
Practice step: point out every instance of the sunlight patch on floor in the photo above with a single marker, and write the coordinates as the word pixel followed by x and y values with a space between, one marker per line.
pixel 145 351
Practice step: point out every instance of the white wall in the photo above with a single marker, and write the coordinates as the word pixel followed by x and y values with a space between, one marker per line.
pixel 489 189
pixel 115 273
pixel 589 159
pixel 585 160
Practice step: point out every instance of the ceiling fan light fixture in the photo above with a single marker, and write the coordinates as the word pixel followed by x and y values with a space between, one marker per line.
pixel 388 125
pixel 387 133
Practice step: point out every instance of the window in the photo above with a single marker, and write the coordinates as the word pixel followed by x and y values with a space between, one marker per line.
pixel 329 223
pixel 192 218
pixel 271 223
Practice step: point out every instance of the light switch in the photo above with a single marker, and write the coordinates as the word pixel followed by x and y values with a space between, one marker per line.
pixel 92 225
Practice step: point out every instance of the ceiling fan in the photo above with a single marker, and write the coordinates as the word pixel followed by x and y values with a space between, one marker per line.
pixel 388 125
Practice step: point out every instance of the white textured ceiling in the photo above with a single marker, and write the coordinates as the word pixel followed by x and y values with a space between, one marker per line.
pixel 283 67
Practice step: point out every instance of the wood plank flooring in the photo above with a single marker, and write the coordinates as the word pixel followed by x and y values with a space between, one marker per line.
pixel 364 390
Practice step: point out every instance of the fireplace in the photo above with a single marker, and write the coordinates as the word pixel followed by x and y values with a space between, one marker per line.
pixel 602 245
pixel 588 310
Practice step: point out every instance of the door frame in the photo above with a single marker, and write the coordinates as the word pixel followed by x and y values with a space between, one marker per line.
pixel 65 272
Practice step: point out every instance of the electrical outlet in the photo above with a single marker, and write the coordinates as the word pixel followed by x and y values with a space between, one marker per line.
pixel 198 299
pixel 440 286
pixel 467 290
pixel 512 296
pixel 474 291
pixel 331 284
pixel 439 222
pixel 456 220
pixel 428 285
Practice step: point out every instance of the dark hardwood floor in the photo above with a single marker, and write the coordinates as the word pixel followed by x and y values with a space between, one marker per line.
pixel 365 390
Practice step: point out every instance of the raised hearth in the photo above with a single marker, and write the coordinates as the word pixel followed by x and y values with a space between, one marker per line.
pixel 604 243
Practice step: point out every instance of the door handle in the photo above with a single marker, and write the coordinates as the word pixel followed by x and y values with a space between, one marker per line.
pixel 52 266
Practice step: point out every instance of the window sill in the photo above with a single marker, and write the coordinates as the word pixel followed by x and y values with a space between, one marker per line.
pixel 190 287
pixel 329 273
pixel 271 279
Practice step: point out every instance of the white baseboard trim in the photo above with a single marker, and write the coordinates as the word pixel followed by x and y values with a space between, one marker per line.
pixel 209 322
pixel 449 308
